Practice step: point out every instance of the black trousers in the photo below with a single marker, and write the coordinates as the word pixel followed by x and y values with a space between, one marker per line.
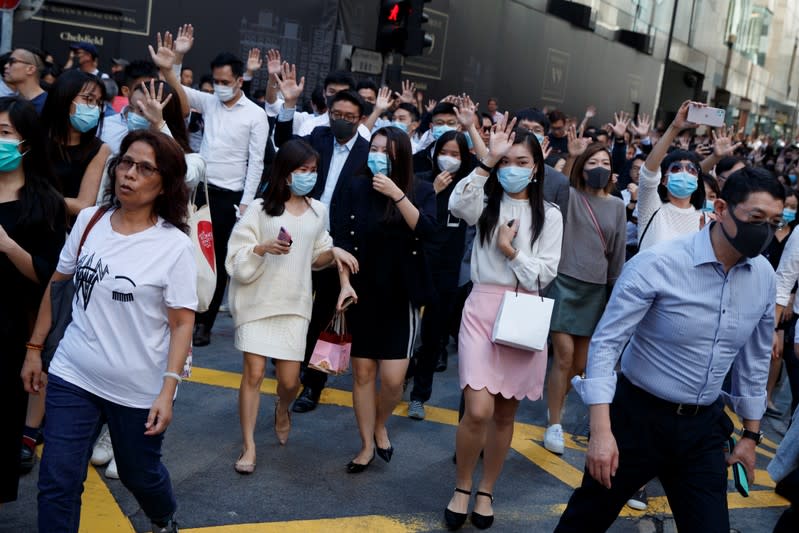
pixel 435 334
pixel 685 452
pixel 788 488
pixel 326 290
pixel 223 218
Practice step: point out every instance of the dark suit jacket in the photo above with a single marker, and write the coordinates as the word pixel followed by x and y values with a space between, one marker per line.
pixel 322 140
pixel 556 189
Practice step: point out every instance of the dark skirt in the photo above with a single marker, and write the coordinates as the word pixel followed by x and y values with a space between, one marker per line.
pixel 383 327
pixel 578 305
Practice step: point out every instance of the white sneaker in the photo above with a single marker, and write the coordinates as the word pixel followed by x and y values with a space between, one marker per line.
pixel 111 471
pixel 103 452
pixel 553 439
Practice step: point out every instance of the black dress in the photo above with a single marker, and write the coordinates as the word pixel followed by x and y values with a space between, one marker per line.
pixel 19 303
pixel 70 164
pixel 394 280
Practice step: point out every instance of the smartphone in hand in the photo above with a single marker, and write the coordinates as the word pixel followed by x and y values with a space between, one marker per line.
pixel 709 116
pixel 738 472
pixel 284 236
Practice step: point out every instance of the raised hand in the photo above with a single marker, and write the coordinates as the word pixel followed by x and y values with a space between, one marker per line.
pixel 723 144
pixel 621 121
pixel 545 148
pixel 577 145
pixel 273 63
pixel 152 108
pixel 590 112
pixel 408 90
pixel 431 104
pixel 254 61
pixel 642 126
pixel 681 120
pixel 287 79
pixel 185 40
pixel 383 102
pixel 164 58
pixel 466 111
pixel 501 139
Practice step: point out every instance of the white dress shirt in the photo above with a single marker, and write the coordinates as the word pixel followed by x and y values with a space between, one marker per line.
pixel 340 154
pixel 233 143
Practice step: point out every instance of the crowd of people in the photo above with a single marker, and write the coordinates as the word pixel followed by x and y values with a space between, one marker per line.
pixel 666 247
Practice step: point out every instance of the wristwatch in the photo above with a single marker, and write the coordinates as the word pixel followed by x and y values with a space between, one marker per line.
pixel 757 437
pixel 485 167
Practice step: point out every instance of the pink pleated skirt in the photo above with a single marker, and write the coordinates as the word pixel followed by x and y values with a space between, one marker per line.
pixel 511 372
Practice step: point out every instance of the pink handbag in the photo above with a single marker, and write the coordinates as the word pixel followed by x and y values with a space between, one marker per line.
pixel 332 351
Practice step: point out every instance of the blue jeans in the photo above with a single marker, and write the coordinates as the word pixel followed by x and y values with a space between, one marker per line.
pixel 74 419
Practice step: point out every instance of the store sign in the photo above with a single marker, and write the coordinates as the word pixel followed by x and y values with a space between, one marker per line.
pixel 124 16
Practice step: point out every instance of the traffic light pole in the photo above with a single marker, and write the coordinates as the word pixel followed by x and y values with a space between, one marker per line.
pixel 392 69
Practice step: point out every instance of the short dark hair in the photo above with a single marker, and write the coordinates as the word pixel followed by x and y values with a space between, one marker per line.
pixel 318 99
pixel 492 99
pixel 206 78
pixel 726 163
pixel 366 84
pixel 556 116
pixel 340 77
pixel 348 96
pixel 697 198
pixel 443 108
pixel 184 68
pixel 534 115
pixel 412 109
pixel 226 59
pixel 488 116
pixel 745 181
pixel 140 68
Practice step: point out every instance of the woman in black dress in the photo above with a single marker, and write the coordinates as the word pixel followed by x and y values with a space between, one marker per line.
pixel 32 231
pixel 389 217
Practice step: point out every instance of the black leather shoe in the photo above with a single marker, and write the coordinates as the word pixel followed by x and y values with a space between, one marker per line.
pixel 307 401
pixel 441 364
pixel 357 468
pixel 452 519
pixel 384 453
pixel 482 521
pixel 27 459
pixel 202 335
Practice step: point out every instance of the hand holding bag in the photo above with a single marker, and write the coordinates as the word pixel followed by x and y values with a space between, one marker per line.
pixel 523 320
pixel 331 354
pixel 202 235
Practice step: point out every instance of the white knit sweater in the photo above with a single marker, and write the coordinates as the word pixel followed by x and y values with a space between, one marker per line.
pixel 272 285
pixel 669 221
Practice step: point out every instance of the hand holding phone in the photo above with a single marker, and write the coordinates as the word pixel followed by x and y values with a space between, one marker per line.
pixel 284 236
pixel 709 116
pixel 738 472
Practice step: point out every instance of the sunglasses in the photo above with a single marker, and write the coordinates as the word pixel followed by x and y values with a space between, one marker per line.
pixel 690 168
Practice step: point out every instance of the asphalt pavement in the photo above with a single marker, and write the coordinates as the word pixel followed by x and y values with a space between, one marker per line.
pixel 304 487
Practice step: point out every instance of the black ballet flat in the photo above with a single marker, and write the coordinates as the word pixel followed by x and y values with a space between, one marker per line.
pixel 452 519
pixel 482 521
pixel 384 453
pixel 357 468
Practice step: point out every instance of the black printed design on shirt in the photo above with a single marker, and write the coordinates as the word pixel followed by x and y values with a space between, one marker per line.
pixel 86 276
pixel 122 291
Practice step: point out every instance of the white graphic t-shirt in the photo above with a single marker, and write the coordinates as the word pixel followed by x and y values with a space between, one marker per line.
pixel 117 344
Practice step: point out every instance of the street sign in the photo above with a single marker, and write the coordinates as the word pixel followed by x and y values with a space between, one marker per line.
pixel 366 61
pixel 9 4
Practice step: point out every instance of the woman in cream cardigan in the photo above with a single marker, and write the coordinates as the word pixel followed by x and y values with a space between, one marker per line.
pixel 271 253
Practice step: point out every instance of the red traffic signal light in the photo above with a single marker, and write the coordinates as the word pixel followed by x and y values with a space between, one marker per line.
pixel 393 14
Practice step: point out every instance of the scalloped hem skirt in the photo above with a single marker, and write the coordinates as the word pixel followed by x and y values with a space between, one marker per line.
pixel 510 372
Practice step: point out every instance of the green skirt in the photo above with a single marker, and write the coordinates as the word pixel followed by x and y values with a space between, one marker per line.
pixel 578 305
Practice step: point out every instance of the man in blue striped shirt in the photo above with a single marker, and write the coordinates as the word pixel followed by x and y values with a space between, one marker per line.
pixel 691 309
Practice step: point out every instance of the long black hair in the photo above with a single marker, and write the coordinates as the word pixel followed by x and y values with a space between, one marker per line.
pixel 55 114
pixel 463 147
pixel 400 166
pixel 535 192
pixel 292 155
pixel 39 197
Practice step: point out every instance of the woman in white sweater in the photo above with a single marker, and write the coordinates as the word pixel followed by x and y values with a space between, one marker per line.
pixel 670 192
pixel 271 253
pixel 517 247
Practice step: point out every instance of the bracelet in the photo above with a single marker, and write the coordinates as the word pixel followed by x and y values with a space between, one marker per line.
pixel 34 346
pixel 484 166
pixel 173 375
pixel 401 199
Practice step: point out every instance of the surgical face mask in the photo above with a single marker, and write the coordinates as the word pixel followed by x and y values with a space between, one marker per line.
pixel 448 163
pixel 792 178
pixel 302 182
pixel 342 129
pixel 597 178
pixel 438 131
pixel 514 179
pixel 750 239
pixel 682 184
pixel 709 208
pixel 400 125
pixel 85 117
pixel 378 163
pixel 788 215
pixel 225 93
pixel 137 122
pixel 10 156
pixel 540 138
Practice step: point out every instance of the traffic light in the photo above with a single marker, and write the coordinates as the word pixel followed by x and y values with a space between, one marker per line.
pixel 399 28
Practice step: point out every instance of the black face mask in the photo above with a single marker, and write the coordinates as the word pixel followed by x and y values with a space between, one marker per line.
pixel 342 129
pixel 750 239
pixel 597 178
pixel 368 107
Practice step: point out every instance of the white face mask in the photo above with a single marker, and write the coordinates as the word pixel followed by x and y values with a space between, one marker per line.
pixel 448 163
pixel 224 93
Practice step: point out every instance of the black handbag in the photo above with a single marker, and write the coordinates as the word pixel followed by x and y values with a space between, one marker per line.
pixel 62 293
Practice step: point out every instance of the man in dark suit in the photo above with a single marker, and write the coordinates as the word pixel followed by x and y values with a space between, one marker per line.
pixel 343 154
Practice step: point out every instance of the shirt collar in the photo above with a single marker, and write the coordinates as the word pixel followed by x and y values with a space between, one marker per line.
pixel 703 249
pixel 346 146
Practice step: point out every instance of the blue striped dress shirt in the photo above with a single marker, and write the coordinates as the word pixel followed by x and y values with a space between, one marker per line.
pixel 687 323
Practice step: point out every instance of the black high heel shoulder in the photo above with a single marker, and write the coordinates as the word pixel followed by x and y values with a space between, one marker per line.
pixel 482 521
pixel 452 519
pixel 357 468
pixel 384 453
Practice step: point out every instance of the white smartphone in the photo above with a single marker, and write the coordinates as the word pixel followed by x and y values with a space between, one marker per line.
pixel 709 116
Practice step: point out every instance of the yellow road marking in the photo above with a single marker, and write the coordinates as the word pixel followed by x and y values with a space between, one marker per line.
pixel 355 524
pixel 99 511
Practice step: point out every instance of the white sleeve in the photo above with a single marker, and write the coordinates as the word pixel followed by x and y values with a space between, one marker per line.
pixel 180 287
pixel 468 198
pixel 195 170
pixel 788 270
pixel 272 110
pixel 259 134
pixel 648 197
pixel 544 265
pixel 242 263
pixel 199 100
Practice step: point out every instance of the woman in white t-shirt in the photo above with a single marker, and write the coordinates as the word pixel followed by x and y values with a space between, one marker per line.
pixel 670 193
pixel 119 362
pixel 271 252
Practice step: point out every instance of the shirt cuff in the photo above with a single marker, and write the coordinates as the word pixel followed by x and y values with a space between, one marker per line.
pixel 176 70
pixel 285 114
pixel 747 407
pixel 478 180
pixel 246 77
pixel 595 391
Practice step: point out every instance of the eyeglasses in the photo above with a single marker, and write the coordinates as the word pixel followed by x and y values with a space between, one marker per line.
pixel 89 100
pixel 442 122
pixel 12 60
pixel 144 169
pixel 349 117
pixel 487 129
pixel 690 168
pixel 753 217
